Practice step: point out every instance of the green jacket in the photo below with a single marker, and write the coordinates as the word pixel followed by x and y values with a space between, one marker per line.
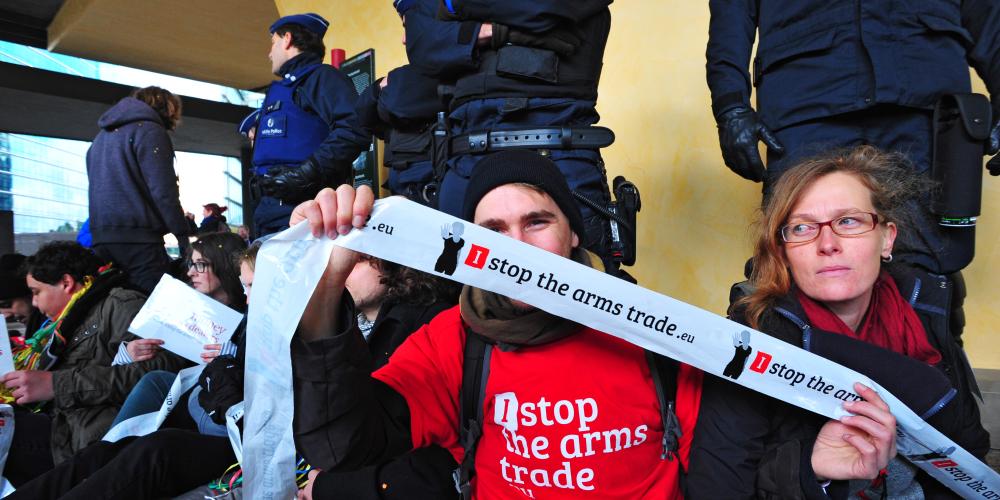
pixel 88 391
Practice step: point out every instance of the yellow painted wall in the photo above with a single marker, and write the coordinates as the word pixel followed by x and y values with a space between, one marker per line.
pixel 693 225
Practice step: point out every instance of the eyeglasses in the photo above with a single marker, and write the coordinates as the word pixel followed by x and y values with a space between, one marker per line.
pixel 200 266
pixel 851 224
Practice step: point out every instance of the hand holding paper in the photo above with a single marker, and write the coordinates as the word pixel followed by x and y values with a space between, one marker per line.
pixel 143 349
pixel 332 213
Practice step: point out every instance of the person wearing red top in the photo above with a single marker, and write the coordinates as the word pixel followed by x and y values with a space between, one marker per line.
pixel 568 412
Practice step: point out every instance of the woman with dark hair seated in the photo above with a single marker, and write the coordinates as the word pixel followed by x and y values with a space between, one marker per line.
pixel 214 270
pixel 822 271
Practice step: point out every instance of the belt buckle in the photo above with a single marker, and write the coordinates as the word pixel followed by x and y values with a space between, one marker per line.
pixel 479 142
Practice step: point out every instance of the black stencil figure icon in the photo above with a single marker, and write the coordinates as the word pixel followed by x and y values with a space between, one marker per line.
pixel 742 344
pixel 939 454
pixel 453 243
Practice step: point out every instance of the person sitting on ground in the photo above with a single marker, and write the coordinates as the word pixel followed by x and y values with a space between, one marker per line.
pixel 66 365
pixel 213 270
pixel 191 448
pixel 608 415
pixel 391 302
pixel 822 271
pixel 15 297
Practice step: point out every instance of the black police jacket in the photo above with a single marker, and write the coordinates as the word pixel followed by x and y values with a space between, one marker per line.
pixel 817 58
pixel 402 114
pixel 748 445
pixel 512 71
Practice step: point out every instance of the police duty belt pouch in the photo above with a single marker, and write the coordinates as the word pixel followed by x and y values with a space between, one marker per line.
pixel 407 147
pixel 515 61
pixel 961 128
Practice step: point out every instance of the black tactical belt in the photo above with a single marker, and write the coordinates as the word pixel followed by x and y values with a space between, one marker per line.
pixel 535 138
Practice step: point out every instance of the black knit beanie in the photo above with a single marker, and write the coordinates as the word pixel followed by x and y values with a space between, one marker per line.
pixel 529 167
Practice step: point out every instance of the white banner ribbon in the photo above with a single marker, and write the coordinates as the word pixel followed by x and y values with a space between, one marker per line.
pixel 6 438
pixel 288 268
pixel 233 415
pixel 147 423
pixel 410 234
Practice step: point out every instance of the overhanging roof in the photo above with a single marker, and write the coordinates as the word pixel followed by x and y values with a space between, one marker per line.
pixel 217 41
pixel 46 103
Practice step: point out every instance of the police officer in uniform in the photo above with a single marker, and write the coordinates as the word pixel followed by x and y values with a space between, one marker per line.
pixel 305 136
pixel 522 74
pixel 839 73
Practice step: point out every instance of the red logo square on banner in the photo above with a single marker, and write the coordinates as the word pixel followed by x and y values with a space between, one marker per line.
pixel 761 362
pixel 944 463
pixel 477 256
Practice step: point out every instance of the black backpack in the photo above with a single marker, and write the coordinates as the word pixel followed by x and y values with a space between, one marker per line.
pixel 476 371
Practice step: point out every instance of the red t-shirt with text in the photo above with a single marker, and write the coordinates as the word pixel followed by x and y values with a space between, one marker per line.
pixel 574 418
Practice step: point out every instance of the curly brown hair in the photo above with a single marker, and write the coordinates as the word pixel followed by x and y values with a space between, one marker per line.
pixel 166 104
pixel 405 285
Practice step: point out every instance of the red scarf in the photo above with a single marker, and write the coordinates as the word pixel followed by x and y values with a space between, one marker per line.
pixel 890 323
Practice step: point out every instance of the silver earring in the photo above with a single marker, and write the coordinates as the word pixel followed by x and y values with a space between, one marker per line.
pixel 887 259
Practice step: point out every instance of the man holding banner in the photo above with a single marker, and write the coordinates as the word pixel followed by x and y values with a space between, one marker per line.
pixel 565 410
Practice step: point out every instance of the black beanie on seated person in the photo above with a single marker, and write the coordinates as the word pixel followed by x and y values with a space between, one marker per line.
pixel 522 166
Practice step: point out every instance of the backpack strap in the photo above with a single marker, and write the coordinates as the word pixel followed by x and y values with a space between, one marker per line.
pixel 475 372
pixel 664 372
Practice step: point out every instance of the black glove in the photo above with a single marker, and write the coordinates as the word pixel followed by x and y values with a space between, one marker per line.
pixel 294 184
pixel 739 130
pixel 221 387
pixel 994 147
pixel 562 41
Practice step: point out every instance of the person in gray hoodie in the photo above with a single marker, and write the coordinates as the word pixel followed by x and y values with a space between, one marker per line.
pixel 133 194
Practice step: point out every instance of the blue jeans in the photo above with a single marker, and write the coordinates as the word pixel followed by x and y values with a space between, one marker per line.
pixel 147 396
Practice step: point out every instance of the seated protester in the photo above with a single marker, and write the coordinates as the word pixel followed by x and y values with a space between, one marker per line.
pixel 15 297
pixel 192 447
pixel 67 363
pixel 214 270
pixel 391 302
pixel 613 447
pixel 821 270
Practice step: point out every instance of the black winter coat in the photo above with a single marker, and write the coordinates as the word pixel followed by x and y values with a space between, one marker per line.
pixel 749 445
pixel 419 474
pixel 818 58
pixel 133 190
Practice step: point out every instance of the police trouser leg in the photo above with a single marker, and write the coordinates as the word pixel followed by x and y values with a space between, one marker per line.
pixel 271 216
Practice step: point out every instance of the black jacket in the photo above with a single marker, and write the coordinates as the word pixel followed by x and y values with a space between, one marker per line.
pixel 749 445
pixel 402 114
pixel 817 58
pixel 133 188
pixel 447 49
pixel 421 473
